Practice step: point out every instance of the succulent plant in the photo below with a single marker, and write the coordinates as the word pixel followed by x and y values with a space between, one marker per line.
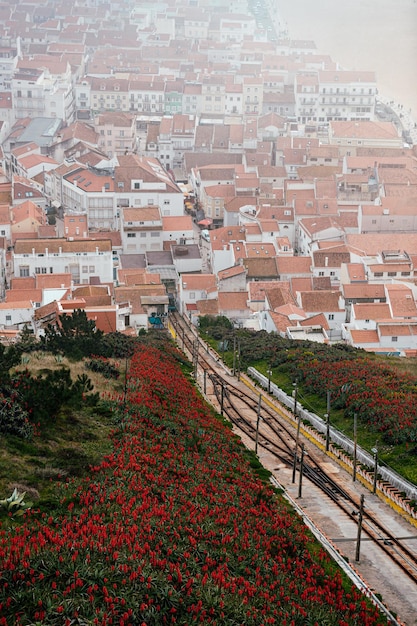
pixel 15 504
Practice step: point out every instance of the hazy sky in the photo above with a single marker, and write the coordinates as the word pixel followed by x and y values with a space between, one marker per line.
pixel 379 35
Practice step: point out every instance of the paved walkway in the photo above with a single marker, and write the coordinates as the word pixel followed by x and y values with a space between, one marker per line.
pixel 399 593
pixel 403 115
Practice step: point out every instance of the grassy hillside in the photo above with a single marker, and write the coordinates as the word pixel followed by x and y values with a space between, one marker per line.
pixel 381 391
pixel 63 446
pixel 170 526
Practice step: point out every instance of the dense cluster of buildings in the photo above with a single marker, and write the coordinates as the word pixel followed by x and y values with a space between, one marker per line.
pixel 191 154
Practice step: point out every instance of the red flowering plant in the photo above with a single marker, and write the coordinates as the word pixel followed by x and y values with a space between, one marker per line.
pixel 384 400
pixel 172 527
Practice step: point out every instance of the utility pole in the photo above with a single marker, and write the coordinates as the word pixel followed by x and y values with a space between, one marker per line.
pixel 360 518
pixel 222 400
pixel 294 468
pixel 205 382
pixel 300 482
pixel 328 422
pixel 238 359
pixel 234 354
pixel 258 418
pixel 355 443
pixel 195 357
pixel 125 384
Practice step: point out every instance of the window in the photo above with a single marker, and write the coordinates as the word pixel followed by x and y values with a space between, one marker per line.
pixel 378 274
pixel 131 235
pixel 192 295
pixel 8 318
pixel 84 269
pixel 394 339
pixel 392 273
pixel 331 316
pixel 321 273
pixel 91 268
pixel 136 185
pixel 24 271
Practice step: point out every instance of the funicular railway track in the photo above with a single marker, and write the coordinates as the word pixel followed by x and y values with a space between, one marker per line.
pixel 264 424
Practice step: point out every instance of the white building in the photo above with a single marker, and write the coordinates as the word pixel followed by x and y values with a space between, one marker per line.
pixel 127 181
pixel 16 316
pixel 325 95
pixel 42 87
pixel 176 135
pixel 84 259
pixel 141 229
pixel 194 287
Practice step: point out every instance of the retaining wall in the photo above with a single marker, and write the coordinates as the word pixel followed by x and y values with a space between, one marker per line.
pixel 396 483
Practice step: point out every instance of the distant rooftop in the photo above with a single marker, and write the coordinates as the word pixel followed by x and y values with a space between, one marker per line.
pixel 40 130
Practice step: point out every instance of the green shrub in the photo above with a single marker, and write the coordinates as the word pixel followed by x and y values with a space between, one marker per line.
pixel 14 420
pixel 103 366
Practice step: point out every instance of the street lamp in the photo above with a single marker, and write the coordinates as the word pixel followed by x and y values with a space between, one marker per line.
pixel 355 443
pixel 238 359
pixel 269 372
pixel 375 453
pixel 327 416
pixel 258 419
